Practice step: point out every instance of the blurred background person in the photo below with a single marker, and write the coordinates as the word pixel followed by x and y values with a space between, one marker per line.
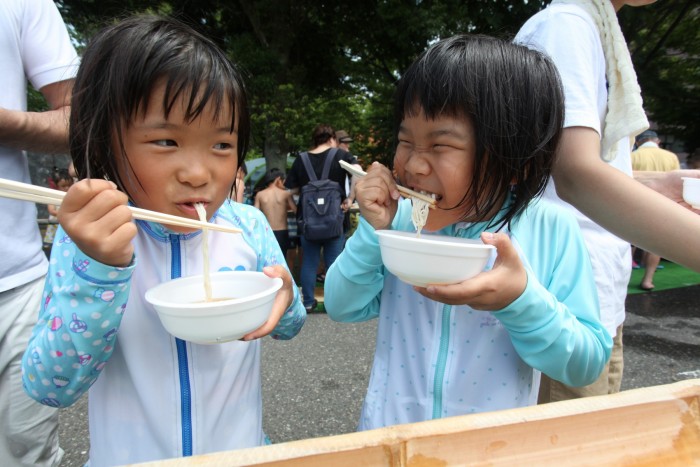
pixel 36 48
pixel 343 139
pixel 323 141
pixel 650 157
pixel 275 201
pixel 351 217
pixel 61 180
pixel 592 174
pixel 238 192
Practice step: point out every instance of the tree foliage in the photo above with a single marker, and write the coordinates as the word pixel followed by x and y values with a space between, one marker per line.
pixel 337 61
pixel 664 40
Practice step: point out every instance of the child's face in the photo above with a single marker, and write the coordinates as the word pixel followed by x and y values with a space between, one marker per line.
pixel 178 163
pixel 64 184
pixel 437 156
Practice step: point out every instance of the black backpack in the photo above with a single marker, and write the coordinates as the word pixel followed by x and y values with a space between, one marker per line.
pixel 322 217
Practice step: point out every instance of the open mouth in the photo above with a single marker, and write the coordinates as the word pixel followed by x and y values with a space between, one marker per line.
pixel 190 207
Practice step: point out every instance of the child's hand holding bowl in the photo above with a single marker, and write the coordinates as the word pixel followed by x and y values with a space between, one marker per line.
pixel 490 290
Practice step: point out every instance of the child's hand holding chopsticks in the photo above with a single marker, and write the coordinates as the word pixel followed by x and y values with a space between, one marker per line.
pixel 96 217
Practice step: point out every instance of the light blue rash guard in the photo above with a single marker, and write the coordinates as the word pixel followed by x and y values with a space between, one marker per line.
pixel 152 396
pixel 434 360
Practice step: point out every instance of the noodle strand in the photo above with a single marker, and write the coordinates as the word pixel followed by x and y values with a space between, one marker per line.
pixel 205 251
pixel 419 214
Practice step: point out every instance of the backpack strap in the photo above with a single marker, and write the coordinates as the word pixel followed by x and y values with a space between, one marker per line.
pixel 326 165
pixel 307 165
pixel 330 158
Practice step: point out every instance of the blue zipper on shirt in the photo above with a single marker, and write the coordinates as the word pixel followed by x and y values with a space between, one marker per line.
pixel 183 369
pixel 441 362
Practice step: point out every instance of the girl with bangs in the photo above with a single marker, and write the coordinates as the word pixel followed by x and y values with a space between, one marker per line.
pixel 478 123
pixel 159 120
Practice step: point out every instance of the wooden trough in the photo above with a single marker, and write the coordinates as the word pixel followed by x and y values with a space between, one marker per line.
pixel 653 426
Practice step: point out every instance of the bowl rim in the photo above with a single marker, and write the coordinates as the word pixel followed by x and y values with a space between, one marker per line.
pixel 274 286
pixel 472 243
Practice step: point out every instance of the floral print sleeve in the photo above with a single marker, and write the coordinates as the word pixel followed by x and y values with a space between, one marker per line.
pixel 259 235
pixel 82 308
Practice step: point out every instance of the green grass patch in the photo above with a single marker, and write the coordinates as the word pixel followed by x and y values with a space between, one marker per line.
pixel 671 276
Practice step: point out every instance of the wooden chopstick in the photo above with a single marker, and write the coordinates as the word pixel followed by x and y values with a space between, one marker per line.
pixel 37 194
pixel 403 190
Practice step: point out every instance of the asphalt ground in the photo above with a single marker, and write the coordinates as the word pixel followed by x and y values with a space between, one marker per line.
pixel 314 384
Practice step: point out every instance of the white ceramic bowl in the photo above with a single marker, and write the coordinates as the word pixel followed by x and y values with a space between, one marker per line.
pixel 184 313
pixel 432 259
pixel 691 191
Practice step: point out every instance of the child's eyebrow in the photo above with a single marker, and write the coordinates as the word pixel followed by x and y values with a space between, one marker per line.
pixel 165 125
pixel 403 129
pixel 448 132
pixel 439 132
pixel 436 133
pixel 226 129
pixel 155 124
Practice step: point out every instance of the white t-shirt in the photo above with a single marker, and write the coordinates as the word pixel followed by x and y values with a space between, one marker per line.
pixel 570 37
pixel 34 46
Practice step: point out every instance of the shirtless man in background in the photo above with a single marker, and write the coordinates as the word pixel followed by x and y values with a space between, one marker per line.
pixel 274 201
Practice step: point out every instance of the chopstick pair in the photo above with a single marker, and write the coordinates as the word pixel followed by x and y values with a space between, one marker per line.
pixel 403 190
pixel 37 194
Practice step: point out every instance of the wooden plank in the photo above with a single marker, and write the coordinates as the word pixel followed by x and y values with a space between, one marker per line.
pixel 659 425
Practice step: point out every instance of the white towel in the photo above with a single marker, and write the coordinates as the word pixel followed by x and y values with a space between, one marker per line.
pixel 625 116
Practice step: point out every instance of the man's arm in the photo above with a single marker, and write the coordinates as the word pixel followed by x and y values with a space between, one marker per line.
pixel 622 205
pixel 45 132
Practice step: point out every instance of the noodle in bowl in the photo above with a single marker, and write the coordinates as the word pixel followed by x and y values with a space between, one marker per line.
pixel 432 259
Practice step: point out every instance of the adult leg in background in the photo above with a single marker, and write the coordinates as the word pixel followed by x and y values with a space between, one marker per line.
pixel 29 429
pixel 331 249
pixel 309 264
pixel 651 262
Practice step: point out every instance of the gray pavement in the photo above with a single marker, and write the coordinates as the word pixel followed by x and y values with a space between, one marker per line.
pixel 314 384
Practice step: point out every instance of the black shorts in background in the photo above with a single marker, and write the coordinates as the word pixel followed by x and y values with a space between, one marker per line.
pixel 282 237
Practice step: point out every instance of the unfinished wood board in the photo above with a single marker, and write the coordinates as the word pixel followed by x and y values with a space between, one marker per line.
pixel 659 425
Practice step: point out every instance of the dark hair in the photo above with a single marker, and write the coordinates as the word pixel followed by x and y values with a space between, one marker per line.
pixel 322 134
pixel 646 135
pixel 121 66
pixel 272 175
pixel 57 175
pixel 513 97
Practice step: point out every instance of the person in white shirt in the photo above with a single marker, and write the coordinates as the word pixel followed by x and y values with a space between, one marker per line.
pixel 593 173
pixel 34 47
